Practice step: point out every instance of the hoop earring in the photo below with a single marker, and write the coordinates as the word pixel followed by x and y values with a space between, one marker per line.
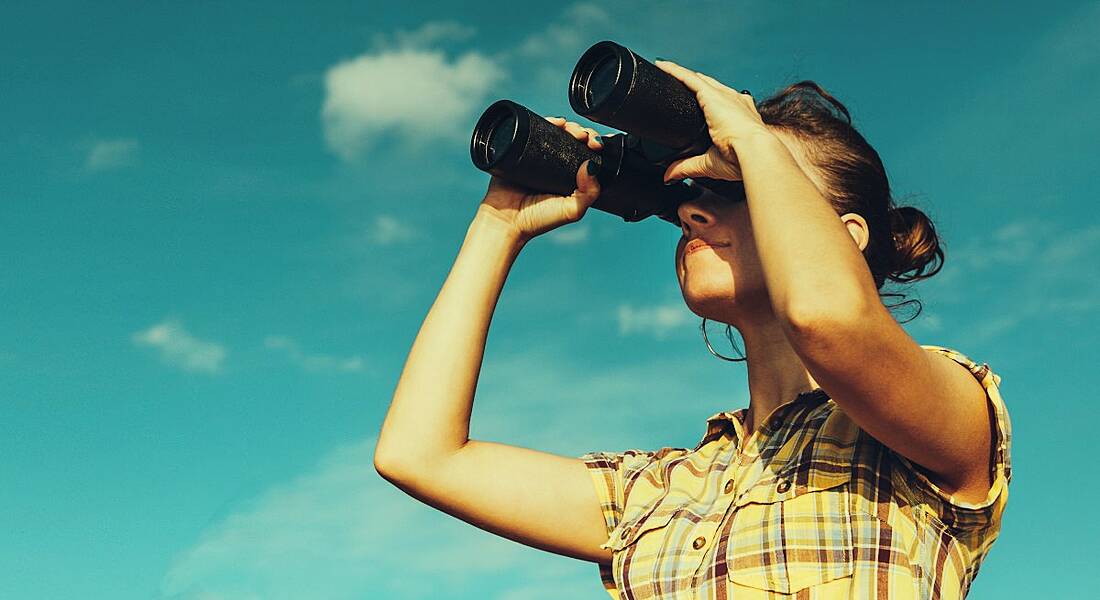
pixel 704 328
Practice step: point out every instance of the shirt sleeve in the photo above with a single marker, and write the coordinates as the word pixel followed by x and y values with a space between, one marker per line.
pixel 610 472
pixel 954 512
pixel 615 473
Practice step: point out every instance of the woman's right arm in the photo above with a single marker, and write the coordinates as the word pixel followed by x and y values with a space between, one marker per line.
pixel 535 498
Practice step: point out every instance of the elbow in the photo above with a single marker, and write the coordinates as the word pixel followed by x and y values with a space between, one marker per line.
pixel 404 466
pixel 387 463
pixel 382 463
pixel 827 315
pixel 394 471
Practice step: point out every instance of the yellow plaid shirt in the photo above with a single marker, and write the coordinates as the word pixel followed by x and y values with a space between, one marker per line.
pixel 813 508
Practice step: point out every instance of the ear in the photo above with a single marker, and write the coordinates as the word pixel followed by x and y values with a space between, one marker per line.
pixel 857 227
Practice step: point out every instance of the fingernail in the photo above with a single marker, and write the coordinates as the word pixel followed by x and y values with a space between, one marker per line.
pixel 593 167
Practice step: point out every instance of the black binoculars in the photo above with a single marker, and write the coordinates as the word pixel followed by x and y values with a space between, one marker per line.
pixel 613 86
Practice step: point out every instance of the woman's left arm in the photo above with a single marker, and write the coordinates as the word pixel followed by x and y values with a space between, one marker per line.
pixel 922 405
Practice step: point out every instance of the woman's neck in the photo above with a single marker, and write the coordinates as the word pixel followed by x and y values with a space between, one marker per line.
pixel 775 372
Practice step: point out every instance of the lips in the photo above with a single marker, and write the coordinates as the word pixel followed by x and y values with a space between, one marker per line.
pixel 698 244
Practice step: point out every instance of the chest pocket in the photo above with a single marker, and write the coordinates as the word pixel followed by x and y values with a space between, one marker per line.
pixel 652 518
pixel 792 531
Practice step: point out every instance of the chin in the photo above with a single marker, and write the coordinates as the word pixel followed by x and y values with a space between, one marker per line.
pixel 710 299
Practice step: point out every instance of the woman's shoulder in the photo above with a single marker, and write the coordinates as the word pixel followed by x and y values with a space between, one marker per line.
pixel 981 370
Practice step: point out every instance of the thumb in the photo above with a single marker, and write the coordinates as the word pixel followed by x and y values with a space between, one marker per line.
pixel 709 164
pixel 588 187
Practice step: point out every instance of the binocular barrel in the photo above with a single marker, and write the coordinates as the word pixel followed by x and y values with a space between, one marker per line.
pixel 616 87
pixel 518 145
pixel 515 144
pixel 613 86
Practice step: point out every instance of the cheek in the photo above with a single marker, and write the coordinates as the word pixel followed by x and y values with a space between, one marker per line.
pixel 707 277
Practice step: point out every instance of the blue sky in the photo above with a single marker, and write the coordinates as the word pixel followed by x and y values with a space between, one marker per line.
pixel 223 224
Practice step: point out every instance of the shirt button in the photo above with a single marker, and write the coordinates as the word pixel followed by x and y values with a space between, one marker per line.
pixel 729 486
pixel 698 543
pixel 784 485
pixel 775 423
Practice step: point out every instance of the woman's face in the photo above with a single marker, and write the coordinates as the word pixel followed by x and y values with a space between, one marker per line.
pixel 716 261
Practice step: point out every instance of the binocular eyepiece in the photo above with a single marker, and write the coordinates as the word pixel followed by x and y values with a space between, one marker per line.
pixel 613 86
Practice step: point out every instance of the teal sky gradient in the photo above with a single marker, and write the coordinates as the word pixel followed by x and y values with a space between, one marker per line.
pixel 223 224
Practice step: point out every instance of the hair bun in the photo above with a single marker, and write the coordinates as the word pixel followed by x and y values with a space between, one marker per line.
pixel 917 250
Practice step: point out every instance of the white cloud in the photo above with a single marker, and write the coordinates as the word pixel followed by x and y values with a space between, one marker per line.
pixel 569 235
pixel 386 231
pixel 409 86
pixel 341 531
pixel 180 348
pixel 111 154
pixel 1037 267
pixel 658 321
pixel 569 35
pixel 407 89
pixel 1072 245
pixel 543 56
pixel 426 35
pixel 313 362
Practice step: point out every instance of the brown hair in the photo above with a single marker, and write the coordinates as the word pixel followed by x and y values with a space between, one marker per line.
pixel 903 246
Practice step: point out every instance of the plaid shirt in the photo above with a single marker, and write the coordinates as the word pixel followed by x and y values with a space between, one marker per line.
pixel 813 507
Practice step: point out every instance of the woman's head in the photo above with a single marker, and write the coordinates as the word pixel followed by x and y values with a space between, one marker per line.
pixel 900 244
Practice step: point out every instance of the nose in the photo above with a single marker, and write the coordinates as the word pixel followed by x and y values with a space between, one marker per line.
pixel 694 217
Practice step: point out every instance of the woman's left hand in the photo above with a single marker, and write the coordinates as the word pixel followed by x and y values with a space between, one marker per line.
pixel 731 117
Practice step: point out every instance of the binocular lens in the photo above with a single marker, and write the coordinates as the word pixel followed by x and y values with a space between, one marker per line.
pixel 522 147
pixel 601 80
pixel 614 86
pixel 501 135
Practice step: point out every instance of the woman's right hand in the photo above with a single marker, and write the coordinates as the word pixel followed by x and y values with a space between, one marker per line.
pixel 528 213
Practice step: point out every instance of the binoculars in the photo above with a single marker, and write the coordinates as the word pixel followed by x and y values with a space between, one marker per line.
pixel 613 86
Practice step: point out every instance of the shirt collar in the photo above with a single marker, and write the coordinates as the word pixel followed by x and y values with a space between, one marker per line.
pixel 813 398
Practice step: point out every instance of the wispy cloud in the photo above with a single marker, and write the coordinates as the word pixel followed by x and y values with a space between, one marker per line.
pixel 428 34
pixel 570 235
pixel 567 35
pixel 406 88
pixel 313 362
pixel 180 348
pixel 658 321
pixel 341 528
pixel 110 154
pixel 411 86
pixel 386 231
pixel 539 55
pixel 1046 262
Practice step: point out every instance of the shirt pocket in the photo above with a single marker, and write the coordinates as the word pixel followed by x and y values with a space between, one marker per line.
pixel 657 516
pixel 791 532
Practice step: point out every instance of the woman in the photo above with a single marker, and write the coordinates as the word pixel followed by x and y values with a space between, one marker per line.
pixel 865 465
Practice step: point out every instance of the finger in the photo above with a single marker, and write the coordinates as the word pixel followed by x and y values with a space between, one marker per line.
pixel 593 139
pixel 558 120
pixel 576 130
pixel 686 76
pixel 692 166
pixel 713 82
pixel 709 164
